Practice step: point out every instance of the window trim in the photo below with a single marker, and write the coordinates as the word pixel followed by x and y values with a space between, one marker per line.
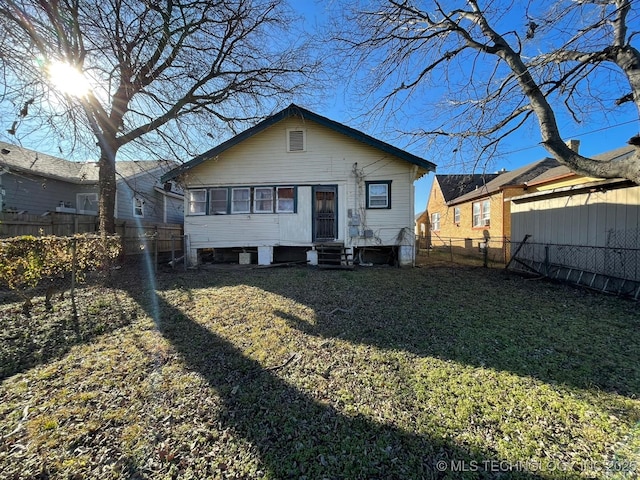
pixel 368 185
pixel 191 201
pixel 93 195
pixel 435 222
pixel 484 214
pixel 233 210
pixel 138 203
pixel 256 199
pixel 226 201
pixel 277 199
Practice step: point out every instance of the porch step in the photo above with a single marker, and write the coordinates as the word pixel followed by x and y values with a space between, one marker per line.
pixel 333 255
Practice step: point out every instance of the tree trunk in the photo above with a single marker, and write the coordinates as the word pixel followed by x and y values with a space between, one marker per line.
pixel 107 187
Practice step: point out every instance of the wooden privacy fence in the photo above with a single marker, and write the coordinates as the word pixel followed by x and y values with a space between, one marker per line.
pixel 134 235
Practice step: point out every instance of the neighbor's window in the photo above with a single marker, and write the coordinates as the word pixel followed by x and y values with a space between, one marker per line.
pixel 138 207
pixel 378 194
pixel 482 213
pixel 197 202
pixel 218 200
pixel 435 221
pixel 285 199
pixel 240 200
pixel 87 203
pixel 456 215
pixel 263 200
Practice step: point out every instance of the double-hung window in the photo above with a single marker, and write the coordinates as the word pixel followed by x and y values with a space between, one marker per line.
pixel 435 222
pixel 197 202
pixel 241 200
pixel 87 203
pixel 285 199
pixel 482 213
pixel 378 194
pixel 263 200
pixel 456 215
pixel 138 207
pixel 218 200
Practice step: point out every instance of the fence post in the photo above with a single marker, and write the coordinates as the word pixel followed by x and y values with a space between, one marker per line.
pixel 74 268
pixel 173 252
pixel 546 260
pixel 155 251
pixel 451 250
pixel 485 254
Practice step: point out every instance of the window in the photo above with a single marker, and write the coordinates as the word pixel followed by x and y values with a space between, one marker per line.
pixel 263 200
pixel 218 200
pixel 87 203
pixel 378 194
pixel 285 199
pixel 138 207
pixel 482 213
pixel 197 202
pixel 240 200
pixel 456 215
pixel 435 221
pixel 296 140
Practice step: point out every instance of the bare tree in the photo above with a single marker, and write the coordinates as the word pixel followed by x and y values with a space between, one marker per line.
pixel 160 71
pixel 497 64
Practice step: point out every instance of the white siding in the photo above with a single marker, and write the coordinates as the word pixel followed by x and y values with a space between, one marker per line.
pixel 329 159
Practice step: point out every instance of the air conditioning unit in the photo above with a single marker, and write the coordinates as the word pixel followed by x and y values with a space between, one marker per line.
pixel 487 223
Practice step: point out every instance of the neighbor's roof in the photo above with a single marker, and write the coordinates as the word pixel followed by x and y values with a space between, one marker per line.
pixel 456 185
pixel 296 111
pixel 15 157
pixel 519 176
pixel 564 171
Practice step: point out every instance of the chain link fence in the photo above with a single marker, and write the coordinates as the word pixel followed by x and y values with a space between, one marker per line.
pixel 613 268
pixel 488 251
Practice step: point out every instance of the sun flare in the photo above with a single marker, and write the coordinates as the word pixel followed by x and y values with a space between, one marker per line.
pixel 68 79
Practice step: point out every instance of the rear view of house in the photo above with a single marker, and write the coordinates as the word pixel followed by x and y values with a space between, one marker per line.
pixel 298 184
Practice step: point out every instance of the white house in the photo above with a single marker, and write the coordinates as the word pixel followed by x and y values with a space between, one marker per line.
pixel 295 184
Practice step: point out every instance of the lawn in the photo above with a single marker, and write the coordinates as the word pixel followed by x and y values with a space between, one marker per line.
pixel 382 373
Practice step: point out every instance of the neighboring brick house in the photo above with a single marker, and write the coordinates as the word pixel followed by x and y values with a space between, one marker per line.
pixel 422 229
pixel 469 210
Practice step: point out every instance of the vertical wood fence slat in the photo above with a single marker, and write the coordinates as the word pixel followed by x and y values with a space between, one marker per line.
pixel 64 224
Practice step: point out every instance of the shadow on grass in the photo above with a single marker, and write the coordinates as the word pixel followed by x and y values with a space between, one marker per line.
pixel 28 342
pixel 475 316
pixel 297 437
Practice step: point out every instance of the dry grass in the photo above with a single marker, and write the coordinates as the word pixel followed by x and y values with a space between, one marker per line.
pixel 298 373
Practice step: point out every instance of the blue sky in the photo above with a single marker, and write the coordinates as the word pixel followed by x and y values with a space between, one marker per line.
pixel 596 135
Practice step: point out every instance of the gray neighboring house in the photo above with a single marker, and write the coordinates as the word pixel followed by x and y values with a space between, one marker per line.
pixel 36 183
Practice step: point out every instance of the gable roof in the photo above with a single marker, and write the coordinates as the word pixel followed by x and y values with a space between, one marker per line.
pixel 564 171
pixel 299 112
pixel 519 176
pixel 456 185
pixel 15 157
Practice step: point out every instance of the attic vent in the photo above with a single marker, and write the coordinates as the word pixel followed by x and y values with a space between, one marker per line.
pixel 296 140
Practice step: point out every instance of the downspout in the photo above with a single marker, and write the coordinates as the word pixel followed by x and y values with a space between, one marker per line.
pixel 164 208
